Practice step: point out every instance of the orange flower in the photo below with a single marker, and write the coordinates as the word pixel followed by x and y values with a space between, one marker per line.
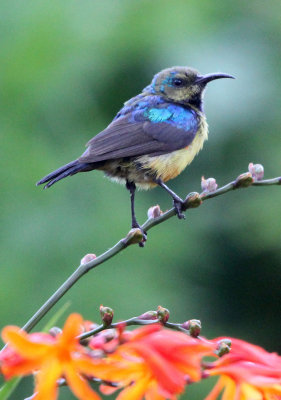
pixel 154 363
pixel 53 358
pixel 248 372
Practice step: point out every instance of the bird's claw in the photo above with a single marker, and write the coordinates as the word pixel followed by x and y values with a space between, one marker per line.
pixel 144 238
pixel 178 207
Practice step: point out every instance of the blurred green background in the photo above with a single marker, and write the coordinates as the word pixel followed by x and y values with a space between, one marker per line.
pixel 66 69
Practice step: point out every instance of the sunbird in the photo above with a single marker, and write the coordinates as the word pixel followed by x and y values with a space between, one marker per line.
pixel 152 138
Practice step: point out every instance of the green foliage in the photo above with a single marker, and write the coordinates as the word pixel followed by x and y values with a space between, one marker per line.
pixel 8 388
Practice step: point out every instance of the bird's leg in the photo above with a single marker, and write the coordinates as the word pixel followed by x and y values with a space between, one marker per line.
pixel 132 188
pixel 177 201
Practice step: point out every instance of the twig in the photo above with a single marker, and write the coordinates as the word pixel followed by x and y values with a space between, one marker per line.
pixel 135 236
pixel 127 322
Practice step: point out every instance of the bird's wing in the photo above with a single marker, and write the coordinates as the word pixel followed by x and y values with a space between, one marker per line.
pixel 152 130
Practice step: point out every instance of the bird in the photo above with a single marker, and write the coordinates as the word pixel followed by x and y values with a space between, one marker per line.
pixel 152 139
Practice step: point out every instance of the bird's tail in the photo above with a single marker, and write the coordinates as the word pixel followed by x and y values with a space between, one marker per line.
pixel 66 170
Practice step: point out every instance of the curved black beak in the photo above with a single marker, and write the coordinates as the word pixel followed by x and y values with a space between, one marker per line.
pixel 204 79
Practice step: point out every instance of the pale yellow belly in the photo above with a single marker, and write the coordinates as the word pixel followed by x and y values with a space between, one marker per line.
pixel 168 166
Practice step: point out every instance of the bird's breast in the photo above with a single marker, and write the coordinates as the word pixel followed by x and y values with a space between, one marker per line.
pixel 168 166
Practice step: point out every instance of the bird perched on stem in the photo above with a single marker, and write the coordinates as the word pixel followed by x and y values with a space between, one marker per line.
pixel 152 138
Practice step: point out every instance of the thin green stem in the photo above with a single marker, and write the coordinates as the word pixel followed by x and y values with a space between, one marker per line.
pixel 176 327
pixel 127 322
pixel 77 274
pixel 54 298
pixel 264 182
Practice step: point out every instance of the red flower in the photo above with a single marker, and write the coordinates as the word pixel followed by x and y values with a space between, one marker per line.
pixel 248 372
pixel 154 363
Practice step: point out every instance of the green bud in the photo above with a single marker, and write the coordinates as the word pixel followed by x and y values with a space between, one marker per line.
pixel 244 180
pixel 163 314
pixel 192 200
pixel 223 347
pixel 193 326
pixel 134 236
pixel 106 315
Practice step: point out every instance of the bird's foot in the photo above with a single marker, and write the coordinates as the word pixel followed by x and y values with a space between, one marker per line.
pixel 178 204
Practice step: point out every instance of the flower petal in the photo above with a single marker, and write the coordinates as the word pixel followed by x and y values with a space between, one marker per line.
pixel 46 381
pixel 109 369
pixel 145 331
pixel 72 328
pixel 135 391
pixel 249 392
pixel 230 391
pixel 20 341
pixel 105 389
pixel 152 393
pixel 79 385
pixel 23 367
pixel 168 376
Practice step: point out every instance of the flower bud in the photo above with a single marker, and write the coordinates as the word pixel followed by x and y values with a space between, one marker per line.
pixel 100 340
pixel 223 347
pixel 87 258
pixel 54 331
pixel 106 315
pixel 208 185
pixel 244 180
pixel 192 200
pixel 134 236
pixel 163 314
pixel 257 171
pixel 193 326
pixel 154 212
pixel 108 334
pixel 148 315
pixel 97 342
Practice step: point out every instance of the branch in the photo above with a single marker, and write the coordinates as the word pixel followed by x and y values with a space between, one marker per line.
pixel 160 316
pixel 134 236
pixel 133 322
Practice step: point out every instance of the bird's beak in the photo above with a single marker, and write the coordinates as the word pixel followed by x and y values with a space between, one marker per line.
pixel 204 79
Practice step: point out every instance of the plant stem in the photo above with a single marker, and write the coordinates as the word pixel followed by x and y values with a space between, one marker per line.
pixel 77 274
pixel 123 243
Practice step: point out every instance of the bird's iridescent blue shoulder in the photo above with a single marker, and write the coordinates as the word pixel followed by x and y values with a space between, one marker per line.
pixel 174 115
pixel 140 102
pixel 183 117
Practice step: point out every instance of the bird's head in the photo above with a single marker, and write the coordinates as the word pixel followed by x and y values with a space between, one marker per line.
pixel 183 85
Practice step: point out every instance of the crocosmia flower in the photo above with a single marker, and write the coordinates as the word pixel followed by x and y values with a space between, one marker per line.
pixel 248 372
pixel 50 357
pixel 154 363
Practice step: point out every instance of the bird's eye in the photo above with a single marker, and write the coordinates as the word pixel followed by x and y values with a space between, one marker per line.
pixel 178 82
